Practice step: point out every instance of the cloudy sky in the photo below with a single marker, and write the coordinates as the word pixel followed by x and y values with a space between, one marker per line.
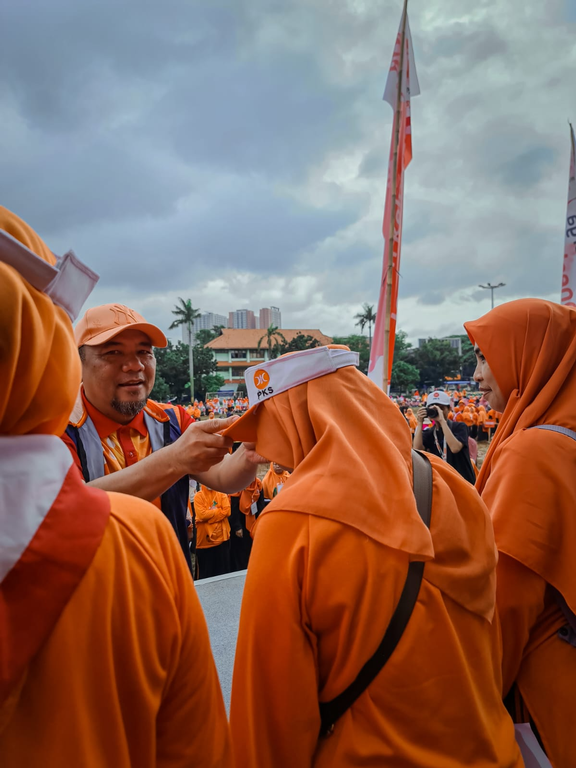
pixel 235 151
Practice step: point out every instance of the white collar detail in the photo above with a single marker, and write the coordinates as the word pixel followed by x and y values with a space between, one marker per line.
pixel 32 471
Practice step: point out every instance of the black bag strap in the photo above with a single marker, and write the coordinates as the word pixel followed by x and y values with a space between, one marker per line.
pixel 331 711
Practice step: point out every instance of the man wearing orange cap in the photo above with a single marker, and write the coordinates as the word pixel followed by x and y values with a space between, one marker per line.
pixel 105 657
pixel 329 563
pixel 116 427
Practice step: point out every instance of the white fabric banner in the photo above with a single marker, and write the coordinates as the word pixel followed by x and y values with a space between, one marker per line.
pixel 569 267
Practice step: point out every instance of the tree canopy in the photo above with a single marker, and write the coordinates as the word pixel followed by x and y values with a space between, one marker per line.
pixel 172 375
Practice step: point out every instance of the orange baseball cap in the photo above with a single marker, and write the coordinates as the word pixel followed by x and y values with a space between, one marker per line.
pixel 102 323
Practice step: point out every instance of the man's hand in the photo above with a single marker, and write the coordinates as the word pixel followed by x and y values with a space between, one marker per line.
pixel 200 447
pixel 420 415
pixel 440 418
pixel 252 456
pixel 239 533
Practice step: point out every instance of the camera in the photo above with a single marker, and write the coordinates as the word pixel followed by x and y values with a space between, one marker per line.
pixel 432 412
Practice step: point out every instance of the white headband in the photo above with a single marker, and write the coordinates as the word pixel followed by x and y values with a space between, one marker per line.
pixel 276 376
pixel 68 284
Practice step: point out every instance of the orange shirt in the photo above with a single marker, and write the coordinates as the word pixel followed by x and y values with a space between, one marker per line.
pixel 126 677
pixel 123 444
pixel 212 512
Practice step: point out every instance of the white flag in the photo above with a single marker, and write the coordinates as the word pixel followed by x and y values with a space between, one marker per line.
pixel 569 268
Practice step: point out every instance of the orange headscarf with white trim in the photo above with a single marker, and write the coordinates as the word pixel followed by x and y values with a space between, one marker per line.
pixel 354 466
pixel 39 364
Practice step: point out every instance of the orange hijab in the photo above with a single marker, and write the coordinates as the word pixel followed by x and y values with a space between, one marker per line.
pixel 39 364
pixel 304 428
pixel 356 468
pixel 530 346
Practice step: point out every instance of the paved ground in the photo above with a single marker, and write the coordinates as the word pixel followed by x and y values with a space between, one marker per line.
pixel 221 598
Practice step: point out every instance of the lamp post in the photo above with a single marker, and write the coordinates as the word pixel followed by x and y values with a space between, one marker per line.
pixel 492 289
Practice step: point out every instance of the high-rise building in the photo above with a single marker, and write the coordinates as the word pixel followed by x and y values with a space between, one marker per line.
pixel 206 321
pixel 270 316
pixel 242 318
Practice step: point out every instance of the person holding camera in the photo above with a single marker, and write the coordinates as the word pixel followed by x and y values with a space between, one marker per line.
pixel 446 439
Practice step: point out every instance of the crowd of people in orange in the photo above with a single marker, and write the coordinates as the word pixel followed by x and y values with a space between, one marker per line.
pixel 468 409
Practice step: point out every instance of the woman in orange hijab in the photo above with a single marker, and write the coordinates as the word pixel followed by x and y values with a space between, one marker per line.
pixel 328 564
pixel 274 480
pixel 411 419
pixel 105 658
pixel 527 369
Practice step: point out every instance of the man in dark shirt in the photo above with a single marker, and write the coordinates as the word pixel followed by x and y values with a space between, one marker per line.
pixel 446 439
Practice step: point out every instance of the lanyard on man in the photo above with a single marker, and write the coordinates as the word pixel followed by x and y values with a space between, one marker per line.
pixel 441 451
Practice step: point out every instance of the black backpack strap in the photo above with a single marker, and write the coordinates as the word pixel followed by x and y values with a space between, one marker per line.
pixel 331 711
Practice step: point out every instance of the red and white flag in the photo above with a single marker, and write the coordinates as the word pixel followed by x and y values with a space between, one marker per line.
pixel 569 268
pixel 409 87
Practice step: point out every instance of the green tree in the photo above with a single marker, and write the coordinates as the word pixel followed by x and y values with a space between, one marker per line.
pixel 357 344
pixel 185 315
pixel 468 358
pixel 298 343
pixel 172 372
pixel 273 338
pixel 405 377
pixel 205 335
pixel 205 366
pixel 161 390
pixel 366 318
pixel 172 379
pixel 402 347
pixel 435 360
pixel 213 382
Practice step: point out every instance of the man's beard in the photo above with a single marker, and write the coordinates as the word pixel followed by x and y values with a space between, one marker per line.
pixel 128 407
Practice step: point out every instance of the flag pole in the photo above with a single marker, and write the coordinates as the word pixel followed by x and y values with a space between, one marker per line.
pixel 390 274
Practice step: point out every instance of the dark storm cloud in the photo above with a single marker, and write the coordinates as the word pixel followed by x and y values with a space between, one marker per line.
pixel 237 226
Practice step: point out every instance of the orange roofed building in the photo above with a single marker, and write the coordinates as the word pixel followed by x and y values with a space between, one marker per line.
pixel 237 348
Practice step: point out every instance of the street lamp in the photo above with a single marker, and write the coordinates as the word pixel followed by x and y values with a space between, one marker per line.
pixel 492 289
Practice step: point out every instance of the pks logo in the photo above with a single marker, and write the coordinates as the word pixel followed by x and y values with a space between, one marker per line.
pixel 436 394
pixel 261 378
pixel 261 382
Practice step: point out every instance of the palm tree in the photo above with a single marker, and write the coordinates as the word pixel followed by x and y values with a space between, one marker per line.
pixel 272 335
pixel 186 314
pixel 366 318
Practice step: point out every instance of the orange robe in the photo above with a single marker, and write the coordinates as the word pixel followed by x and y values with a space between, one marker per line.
pixel 535 528
pixel 447 663
pixel 327 568
pixel 126 677
pixel 528 482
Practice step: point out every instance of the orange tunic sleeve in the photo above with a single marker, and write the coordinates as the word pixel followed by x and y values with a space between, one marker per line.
pixel 520 599
pixel 206 513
